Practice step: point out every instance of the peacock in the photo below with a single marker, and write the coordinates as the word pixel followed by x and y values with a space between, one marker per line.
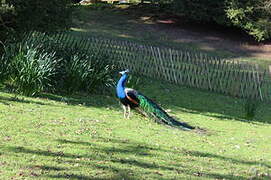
pixel 132 99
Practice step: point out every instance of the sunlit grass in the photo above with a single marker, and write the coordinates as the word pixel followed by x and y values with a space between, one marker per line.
pixel 86 137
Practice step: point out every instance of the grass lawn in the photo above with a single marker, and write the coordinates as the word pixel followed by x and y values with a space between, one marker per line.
pixel 145 26
pixel 86 137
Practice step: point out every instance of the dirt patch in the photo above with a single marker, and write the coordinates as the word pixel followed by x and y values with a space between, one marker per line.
pixel 212 37
pixel 148 25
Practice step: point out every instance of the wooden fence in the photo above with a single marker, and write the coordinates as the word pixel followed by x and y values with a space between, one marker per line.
pixel 192 69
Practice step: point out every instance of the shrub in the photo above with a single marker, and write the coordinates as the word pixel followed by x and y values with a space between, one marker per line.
pixel 201 11
pixel 30 69
pixel 252 16
pixel 3 68
pixel 134 81
pixel 101 6
pixel 80 69
pixel 7 22
pixel 41 15
pixel 87 73
pixel 76 75
pixel 250 108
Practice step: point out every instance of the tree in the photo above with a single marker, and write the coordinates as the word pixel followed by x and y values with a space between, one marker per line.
pixel 252 16
pixel 41 15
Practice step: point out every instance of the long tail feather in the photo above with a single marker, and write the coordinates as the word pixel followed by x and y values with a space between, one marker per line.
pixel 155 111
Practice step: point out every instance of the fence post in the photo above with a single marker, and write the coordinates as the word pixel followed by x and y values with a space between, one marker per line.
pixel 259 82
pixel 270 70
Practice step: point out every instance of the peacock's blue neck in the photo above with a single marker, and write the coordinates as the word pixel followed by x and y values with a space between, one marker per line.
pixel 121 86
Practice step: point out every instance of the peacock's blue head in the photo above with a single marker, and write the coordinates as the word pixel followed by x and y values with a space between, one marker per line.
pixel 124 72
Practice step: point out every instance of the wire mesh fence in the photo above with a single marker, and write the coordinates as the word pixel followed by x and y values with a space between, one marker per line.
pixel 192 69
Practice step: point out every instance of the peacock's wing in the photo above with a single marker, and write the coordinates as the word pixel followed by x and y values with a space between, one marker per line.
pixel 131 95
pixel 155 111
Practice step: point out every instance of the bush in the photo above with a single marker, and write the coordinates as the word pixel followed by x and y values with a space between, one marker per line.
pixel 134 82
pixel 201 11
pixel 7 22
pixel 66 67
pixel 41 15
pixel 100 6
pixel 79 70
pixel 76 74
pixel 252 16
pixel 250 108
pixel 87 73
pixel 30 70
pixel 3 68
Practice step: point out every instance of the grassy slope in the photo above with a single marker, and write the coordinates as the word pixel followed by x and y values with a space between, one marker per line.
pixel 138 26
pixel 85 137
pixel 129 25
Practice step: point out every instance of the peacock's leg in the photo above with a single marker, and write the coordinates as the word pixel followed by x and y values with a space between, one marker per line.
pixel 129 112
pixel 124 111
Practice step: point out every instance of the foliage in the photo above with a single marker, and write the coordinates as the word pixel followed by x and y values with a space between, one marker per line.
pixel 7 22
pixel 76 73
pixel 83 72
pixel 134 82
pixel 250 108
pixel 41 15
pixel 201 11
pixel 30 70
pixel 101 76
pixel 75 1
pixel 189 68
pixel 252 16
pixel 101 6
pixel 4 63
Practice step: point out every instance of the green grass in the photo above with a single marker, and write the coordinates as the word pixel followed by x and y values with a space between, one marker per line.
pixel 137 25
pixel 128 25
pixel 86 137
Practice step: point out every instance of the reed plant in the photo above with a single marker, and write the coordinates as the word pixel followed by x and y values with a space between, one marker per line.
pixel 30 70
pixel 250 108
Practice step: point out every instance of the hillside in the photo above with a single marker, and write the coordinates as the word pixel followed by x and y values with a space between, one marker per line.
pixel 86 137
pixel 167 30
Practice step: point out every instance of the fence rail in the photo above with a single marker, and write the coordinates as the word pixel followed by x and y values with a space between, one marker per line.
pixel 192 69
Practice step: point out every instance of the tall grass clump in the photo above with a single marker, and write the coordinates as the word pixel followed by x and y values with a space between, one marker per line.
pixel 4 65
pixel 30 69
pixel 134 81
pixel 76 73
pixel 87 73
pixel 81 69
pixel 250 107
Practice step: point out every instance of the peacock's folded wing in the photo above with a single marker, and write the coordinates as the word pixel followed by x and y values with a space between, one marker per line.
pixel 131 95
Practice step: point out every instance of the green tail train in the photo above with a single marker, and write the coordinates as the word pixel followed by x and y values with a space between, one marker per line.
pixel 153 110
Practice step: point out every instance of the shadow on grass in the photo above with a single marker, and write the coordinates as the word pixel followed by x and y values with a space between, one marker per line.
pixel 235 161
pixel 47 168
pixel 117 162
pixel 7 100
pixel 149 24
pixel 73 100
pixel 188 100
pixel 117 176
pixel 105 101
